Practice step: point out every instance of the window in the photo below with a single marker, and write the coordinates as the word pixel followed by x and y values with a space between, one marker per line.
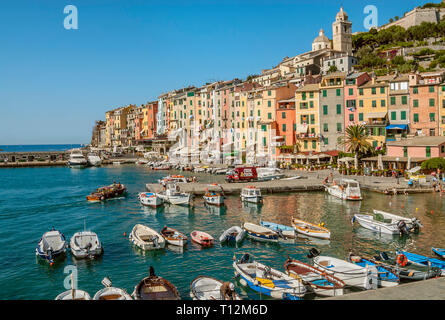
pixel 403 115
pixel 374 90
pixel 325 127
pixel 351 91
pixel 263 127
pixel 382 89
pixel 339 127
pixel 325 110
pixel 431 89
pixel 269 115
pixel 351 117
pixel 360 103
pixel 325 93
pixel 360 91
pixel 269 93
pixel 312 119
pixel 393 115
pixel 338 92
pixel 432 103
pixel 393 101
pixel 325 141
pixel 338 108
pixel 404 100
pixel 432 117
pixel 311 95
pixel 305 144
pixel 416 118
pixel 360 117
pixel 284 127
pixel 383 103
pixel 269 103
pixel 374 103
pixel 428 152
pixel 415 103
pixel 405 152
pixel 314 144
pixel 415 90
pixel 283 115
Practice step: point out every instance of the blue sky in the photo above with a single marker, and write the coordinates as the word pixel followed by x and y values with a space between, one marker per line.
pixel 54 83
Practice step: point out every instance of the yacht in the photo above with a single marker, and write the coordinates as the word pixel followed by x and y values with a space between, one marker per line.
pixel 94 159
pixel 77 159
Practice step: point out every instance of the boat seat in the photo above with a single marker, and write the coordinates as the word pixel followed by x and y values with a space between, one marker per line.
pixel 379 217
pixel 153 289
pixel 324 263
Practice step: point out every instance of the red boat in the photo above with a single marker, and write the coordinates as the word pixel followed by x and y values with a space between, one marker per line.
pixel 202 238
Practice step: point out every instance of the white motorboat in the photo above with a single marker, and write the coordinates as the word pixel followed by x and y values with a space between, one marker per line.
pixel 268 281
pixel 213 197
pixel 173 179
pixel 251 194
pixel 174 237
pixel 267 174
pixel 173 195
pixel 233 234
pixel 146 238
pixel 383 222
pixel 51 245
pixel 208 288
pixel 345 190
pixel 85 244
pixel 111 293
pixel 150 199
pixel 94 159
pixel 77 159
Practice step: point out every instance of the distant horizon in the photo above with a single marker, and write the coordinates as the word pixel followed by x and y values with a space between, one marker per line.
pixel 59 81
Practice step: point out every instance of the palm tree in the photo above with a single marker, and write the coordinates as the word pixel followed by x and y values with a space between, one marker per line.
pixel 355 141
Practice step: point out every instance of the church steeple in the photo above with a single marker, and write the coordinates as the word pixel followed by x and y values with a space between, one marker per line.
pixel 342 33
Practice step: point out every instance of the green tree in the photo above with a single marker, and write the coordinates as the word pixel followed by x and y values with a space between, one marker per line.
pixel 355 141
pixel 433 164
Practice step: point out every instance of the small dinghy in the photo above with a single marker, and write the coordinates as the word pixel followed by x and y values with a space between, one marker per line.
pixel 51 245
pixel 311 230
pixel 233 234
pixel 146 238
pixel 202 238
pixel 73 294
pixel 316 279
pixel 213 197
pixel 350 273
pixel 282 230
pixel 251 194
pixel 406 270
pixel 439 252
pixel 422 260
pixel 150 199
pixel 208 288
pixel 85 244
pixel 268 281
pixel 260 233
pixel 173 236
pixel 111 293
pixel 155 288
pixel 383 222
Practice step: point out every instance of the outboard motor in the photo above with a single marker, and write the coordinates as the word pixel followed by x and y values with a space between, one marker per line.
pixel 244 259
pixel 403 229
pixel 313 253
pixel 280 233
pixel 384 256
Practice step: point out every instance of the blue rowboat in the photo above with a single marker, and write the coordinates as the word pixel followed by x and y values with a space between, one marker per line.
pixel 282 230
pixel 260 233
pixel 425 261
pixel 267 281
pixel 385 276
pixel 440 252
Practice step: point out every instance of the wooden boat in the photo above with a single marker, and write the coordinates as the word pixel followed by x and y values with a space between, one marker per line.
pixel 251 194
pixel 386 278
pixel 108 192
pixel 202 238
pixel 425 261
pixel 51 245
pixel 155 288
pixel 383 222
pixel 173 236
pixel 208 288
pixel 73 294
pixel 260 233
pixel 150 199
pixel 85 244
pixel 409 272
pixel 212 197
pixel 268 281
pixel 345 190
pixel 311 230
pixel 233 234
pixel 111 293
pixel 316 279
pixel 146 238
pixel 282 230
pixel 438 251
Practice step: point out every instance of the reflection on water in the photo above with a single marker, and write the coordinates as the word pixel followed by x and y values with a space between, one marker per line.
pixel 35 199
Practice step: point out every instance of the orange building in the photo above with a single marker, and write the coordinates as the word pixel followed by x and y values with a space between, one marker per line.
pixel 286 126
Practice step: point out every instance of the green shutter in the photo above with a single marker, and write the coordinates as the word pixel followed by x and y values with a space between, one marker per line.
pixel 393 115
pixel 393 100
pixel 403 115
pixel 404 100
pixel 325 110
pixel 338 108
pixel 360 117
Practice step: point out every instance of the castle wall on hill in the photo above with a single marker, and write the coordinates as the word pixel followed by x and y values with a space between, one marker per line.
pixel 416 16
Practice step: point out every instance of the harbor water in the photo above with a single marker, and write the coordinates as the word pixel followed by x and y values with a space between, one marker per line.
pixel 33 200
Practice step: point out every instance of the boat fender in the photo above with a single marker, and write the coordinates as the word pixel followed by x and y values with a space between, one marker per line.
pixel 277 295
pixel 243 282
pixel 402 260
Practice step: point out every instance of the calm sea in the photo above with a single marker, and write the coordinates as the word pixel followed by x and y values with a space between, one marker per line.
pixel 38 147
pixel 32 200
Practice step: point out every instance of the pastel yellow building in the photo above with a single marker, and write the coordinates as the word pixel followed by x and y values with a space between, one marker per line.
pixel 307 111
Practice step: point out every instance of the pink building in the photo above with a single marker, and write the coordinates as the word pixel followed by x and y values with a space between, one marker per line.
pixel 418 147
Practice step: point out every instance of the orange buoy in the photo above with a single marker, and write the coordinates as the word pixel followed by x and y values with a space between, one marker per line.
pixel 125 234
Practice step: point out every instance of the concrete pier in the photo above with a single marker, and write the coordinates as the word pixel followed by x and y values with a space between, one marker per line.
pixel 431 289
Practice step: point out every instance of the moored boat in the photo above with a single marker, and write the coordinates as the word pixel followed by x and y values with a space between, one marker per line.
pixel 111 293
pixel 233 234
pixel 282 230
pixel 383 222
pixel 109 192
pixel 85 244
pixel 212 197
pixel 173 236
pixel 146 238
pixel 77 159
pixel 173 195
pixel 267 281
pixel 73 294
pixel 386 278
pixel 94 159
pixel 209 288
pixel 51 245
pixel 439 252
pixel 316 279
pixel 423 260
pixel 251 194
pixel 345 190
pixel 155 288
pixel 202 238
pixel 150 199
pixel 260 233
pixel 310 229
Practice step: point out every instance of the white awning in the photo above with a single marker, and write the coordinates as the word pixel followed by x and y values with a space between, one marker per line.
pixel 376 115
